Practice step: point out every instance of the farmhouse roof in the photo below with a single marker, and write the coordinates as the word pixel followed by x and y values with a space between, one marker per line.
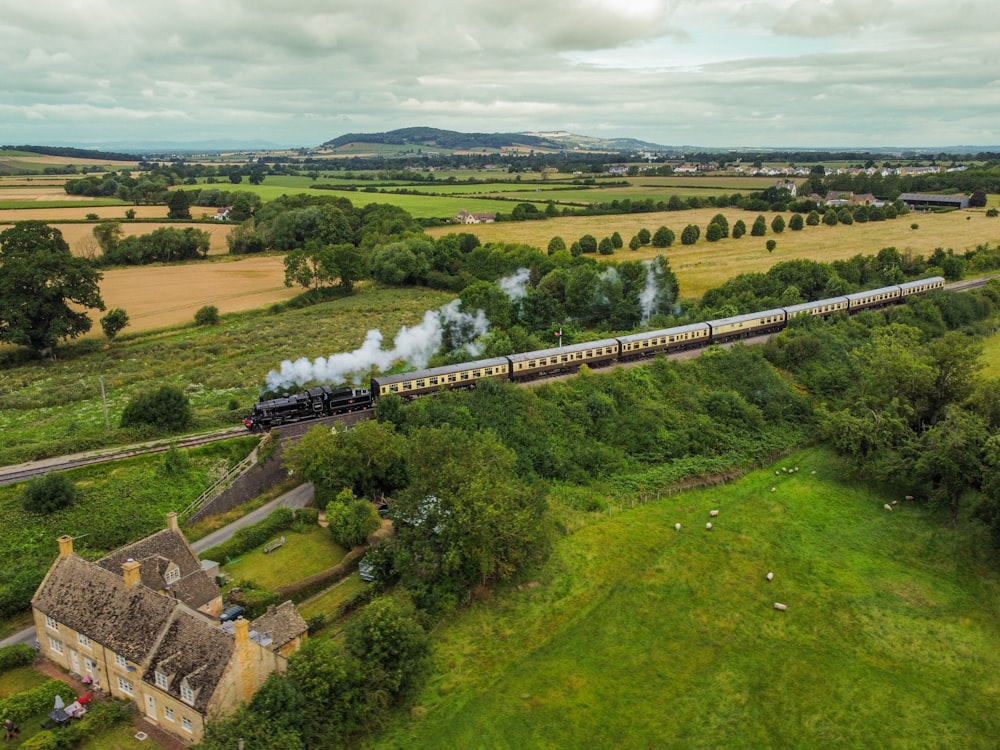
pixel 94 601
pixel 281 624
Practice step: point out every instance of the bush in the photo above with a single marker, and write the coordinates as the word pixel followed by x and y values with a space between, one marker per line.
pixel 166 408
pixel 993 213
pixel 351 522
pixel 690 234
pixel 664 237
pixel 254 535
pixel 207 316
pixel 796 223
pixel 22 706
pixel 778 224
pixel 18 655
pixel 771 244
pixel 739 229
pixel 113 322
pixel 759 228
pixel 713 233
pixel 49 493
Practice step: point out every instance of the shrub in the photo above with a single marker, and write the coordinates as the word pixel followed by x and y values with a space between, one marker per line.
pixel 993 213
pixel 49 493
pixel 113 322
pixel 351 522
pixel 22 706
pixel 713 233
pixel 759 228
pixel 813 219
pixel 18 655
pixel 606 247
pixel 664 237
pixel 914 226
pixel 771 244
pixel 778 224
pixel 796 223
pixel 556 244
pixel 739 229
pixel 644 237
pixel 588 243
pixel 254 535
pixel 690 234
pixel 166 408
pixel 207 316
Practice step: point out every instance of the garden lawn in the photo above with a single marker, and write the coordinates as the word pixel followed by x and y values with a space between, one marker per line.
pixel 991 356
pixel 639 636
pixel 20 680
pixel 327 602
pixel 302 555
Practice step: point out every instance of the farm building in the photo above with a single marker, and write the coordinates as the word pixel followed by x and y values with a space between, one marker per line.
pixel 932 200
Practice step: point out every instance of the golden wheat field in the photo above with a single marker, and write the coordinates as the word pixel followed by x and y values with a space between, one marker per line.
pixel 81 236
pixel 704 265
pixel 158 296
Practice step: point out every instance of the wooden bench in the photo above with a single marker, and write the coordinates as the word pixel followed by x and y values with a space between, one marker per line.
pixel 273 545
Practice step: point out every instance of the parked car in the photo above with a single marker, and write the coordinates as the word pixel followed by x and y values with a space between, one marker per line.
pixel 231 613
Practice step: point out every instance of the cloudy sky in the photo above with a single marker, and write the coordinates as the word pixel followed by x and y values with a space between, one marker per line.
pixel 676 72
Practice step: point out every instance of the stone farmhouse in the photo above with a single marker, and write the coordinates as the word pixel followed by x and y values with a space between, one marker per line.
pixel 480 217
pixel 142 623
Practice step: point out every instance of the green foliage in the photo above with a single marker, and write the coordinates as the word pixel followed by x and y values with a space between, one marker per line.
pixel 722 222
pixel 714 232
pixel 392 646
pixel 48 494
pixel 255 535
pixel 690 234
pixel 606 246
pixel 644 236
pixel 22 706
pixel 739 229
pixel 778 224
pixel 179 204
pixel 829 218
pixel 759 228
pixel 112 323
pixel 556 244
pixel 616 241
pixel 367 458
pixel 663 237
pixel 796 223
pixel 588 243
pixel 163 245
pixel 771 244
pixel 17 655
pixel 207 316
pixel 44 290
pixel 166 409
pixel 351 521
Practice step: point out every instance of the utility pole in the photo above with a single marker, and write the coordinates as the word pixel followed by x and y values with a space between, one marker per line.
pixel 104 404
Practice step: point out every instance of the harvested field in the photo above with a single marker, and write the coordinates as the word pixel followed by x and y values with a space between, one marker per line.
pixel 158 296
pixel 80 213
pixel 704 265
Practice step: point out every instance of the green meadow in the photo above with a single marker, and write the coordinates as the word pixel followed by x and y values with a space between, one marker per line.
pixel 634 635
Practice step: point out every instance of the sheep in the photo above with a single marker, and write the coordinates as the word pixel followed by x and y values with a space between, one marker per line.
pixel 769 576
pixel 780 607
pixel 774 489
pixel 887 506
pixel 713 513
pixel 708 526
pixel 677 527
pixel 908 497
pixel 777 473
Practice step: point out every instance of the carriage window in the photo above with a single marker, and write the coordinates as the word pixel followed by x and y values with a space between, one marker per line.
pixel 531 363
pixel 451 378
pixel 407 386
pixel 421 383
pixel 488 370
pixel 465 376
pixel 434 381
pixel 393 389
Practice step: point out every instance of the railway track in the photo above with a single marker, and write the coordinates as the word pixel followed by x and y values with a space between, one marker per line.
pixel 32 469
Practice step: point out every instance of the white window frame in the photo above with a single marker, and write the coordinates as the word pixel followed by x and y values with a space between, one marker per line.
pixel 125 686
pixel 161 680
pixel 186 724
pixel 187 694
pixel 173 575
pixel 83 640
pixel 168 713
pixel 51 624
pixel 55 645
pixel 121 661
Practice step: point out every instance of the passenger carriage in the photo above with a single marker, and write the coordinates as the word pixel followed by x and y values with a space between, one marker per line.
pixel 563 359
pixel 418 382
pixel 880 297
pixel 750 324
pixel 822 307
pixel 647 344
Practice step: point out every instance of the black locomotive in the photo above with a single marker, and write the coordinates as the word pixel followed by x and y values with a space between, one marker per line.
pixel 314 403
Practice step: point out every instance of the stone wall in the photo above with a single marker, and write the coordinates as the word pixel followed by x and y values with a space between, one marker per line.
pixel 252 483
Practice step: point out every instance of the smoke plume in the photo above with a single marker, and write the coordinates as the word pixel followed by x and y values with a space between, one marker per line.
pixel 413 345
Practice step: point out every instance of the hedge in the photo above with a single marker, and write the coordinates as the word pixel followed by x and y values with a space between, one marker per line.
pixel 252 536
pixel 22 706
pixel 18 655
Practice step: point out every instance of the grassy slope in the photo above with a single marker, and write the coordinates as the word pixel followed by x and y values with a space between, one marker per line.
pixel 639 636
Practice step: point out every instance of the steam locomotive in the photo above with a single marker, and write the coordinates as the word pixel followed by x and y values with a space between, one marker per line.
pixel 324 401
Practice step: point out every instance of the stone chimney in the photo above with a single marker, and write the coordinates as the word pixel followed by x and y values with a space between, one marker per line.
pixel 65 545
pixel 172 521
pixel 130 570
pixel 245 658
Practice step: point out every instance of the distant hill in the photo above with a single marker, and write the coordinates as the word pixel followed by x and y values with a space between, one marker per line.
pixel 450 140
pixel 73 153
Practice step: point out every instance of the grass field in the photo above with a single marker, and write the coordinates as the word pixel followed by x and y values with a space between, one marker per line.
pixel 18 680
pixel 302 555
pixel 991 356
pixel 327 602
pixel 707 264
pixel 638 636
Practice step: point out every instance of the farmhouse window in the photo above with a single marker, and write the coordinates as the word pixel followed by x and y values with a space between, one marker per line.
pixel 55 645
pixel 187 694
pixel 83 640
pixel 120 661
pixel 173 574
pixel 161 680
pixel 186 723
pixel 50 622
pixel 125 686
pixel 168 713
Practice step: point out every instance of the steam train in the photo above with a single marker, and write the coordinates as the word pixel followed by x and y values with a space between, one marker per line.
pixel 325 401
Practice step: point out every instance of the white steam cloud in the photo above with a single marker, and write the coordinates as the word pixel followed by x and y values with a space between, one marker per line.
pixel 649 299
pixel 516 285
pixel 415 346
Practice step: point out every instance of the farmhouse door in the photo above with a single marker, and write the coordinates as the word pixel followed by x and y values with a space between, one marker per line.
pixel 74 660
pixel 150 707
